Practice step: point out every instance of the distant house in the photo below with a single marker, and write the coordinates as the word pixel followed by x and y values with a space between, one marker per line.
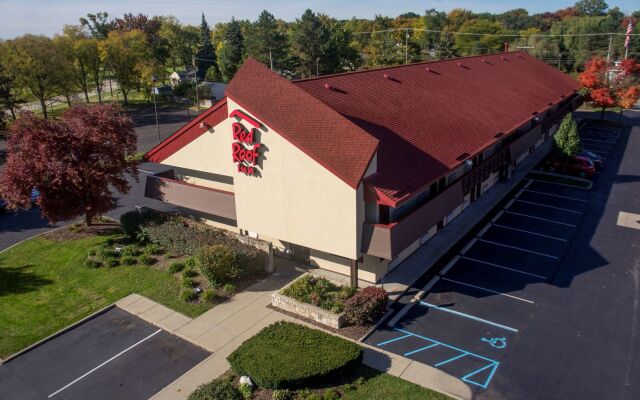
pixel 211 92
pixel 178 77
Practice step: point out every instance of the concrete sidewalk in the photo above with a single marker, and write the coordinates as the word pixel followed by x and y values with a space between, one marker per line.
pixel 398 281
pixel 223 328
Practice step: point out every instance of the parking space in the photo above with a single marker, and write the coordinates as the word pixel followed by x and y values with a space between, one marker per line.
pixel 112 356
pixel 599 140
pixel 483 298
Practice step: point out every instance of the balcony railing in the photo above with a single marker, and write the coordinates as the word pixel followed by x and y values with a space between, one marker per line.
pixel 193 197
pixel 388 240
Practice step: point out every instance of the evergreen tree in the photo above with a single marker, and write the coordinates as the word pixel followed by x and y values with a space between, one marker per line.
pixel 446 47
pixel 266 42
pixel 206 54
pixel 566 140
pixel 232 49
pixel 308 43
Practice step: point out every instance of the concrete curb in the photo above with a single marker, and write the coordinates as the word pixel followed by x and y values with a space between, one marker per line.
pixel 60 332
pixel 33 237
pixel 407 307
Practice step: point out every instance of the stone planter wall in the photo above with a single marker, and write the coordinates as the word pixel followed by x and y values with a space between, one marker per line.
pixel 306 310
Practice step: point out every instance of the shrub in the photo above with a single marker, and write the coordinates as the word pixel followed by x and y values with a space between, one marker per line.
pixel 92 252
pixel 229 288
pixel 319 292
pixel 189 273
pixel 152 249
pixel 246 391
pixel 219 389
pixel 190 262
pixel 112 262
pixel 366 306
pixel 147 260
pixel 128 260
pixel 106 252
pixel 188 282
pixel 330 394
pixel 209 296
pixel 91 263
pixel 128 251
pixel 176 267
pixel 132 220
pixel 188 295
pixel 288 355
pixel 181 236
pixel 217 264
pixel 281 394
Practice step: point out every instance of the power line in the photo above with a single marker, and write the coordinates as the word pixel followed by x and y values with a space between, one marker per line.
pixel 498 34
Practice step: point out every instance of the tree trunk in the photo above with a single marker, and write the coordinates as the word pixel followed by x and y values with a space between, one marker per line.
pixel 88 218
pixel 602 113
pixel 86 94
pixel 99 89
pixel 43 106
pixel 125 95
pixel 68 98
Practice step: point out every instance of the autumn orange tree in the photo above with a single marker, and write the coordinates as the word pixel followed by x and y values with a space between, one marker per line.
pixel 75 162
pixel 604 91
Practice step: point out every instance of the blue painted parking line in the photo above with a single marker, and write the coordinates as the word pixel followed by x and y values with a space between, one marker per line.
pixel 490 364
pixel 468 316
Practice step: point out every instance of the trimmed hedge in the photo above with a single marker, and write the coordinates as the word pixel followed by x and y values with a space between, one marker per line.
pixel 288 355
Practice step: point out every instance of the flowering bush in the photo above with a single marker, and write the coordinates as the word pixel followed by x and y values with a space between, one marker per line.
pixel 366 306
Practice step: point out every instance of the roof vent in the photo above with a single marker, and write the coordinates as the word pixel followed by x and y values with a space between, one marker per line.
pixel 387 76
pixel 550 103
pixel 328 87
pixel 428 69
pixel 484 61
pixel 459 64
pixel 561 95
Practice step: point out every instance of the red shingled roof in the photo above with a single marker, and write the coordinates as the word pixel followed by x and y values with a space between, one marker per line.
pixel 427 115
pixel 309 124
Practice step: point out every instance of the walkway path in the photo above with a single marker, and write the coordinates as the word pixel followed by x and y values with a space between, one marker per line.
pixel 223 328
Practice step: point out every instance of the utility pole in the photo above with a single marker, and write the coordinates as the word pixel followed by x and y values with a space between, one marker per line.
pixel 271 60
pixel 154 79
pixel 195 78
pixel 609 50
pixel 406 45
pixel 317 67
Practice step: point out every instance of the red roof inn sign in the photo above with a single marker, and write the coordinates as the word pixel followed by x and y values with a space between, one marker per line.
pixel 245 150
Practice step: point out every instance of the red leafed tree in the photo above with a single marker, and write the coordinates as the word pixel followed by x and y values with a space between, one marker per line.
pixel 73 162
pixel 621 90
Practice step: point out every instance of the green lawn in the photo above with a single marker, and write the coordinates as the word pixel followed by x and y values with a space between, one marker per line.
pixel 380 386
pixel 44 287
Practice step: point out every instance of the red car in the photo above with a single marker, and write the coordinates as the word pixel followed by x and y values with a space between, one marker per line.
pixel 577 166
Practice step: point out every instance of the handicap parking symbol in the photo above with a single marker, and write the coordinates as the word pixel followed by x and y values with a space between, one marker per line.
pixel 498 342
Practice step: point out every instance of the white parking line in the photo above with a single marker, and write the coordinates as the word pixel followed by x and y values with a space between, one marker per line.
pixel 503 267
pixel 105 363
pixel 557 195
pixel 487 290
pixel 548 206
pixel 529 232
pixel 469 316
pixel 540 218
pixel 599 140
pixel 518 248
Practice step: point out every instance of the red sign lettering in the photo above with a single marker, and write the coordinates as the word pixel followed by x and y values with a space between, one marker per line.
pixel 245 157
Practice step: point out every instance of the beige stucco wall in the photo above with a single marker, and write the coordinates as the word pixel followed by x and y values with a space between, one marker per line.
pixel 294 198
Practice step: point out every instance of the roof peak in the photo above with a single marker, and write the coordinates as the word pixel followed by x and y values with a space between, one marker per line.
pixel 455 59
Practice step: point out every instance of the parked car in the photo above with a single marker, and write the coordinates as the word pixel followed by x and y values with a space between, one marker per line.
pixel 597 160
pixel 580 166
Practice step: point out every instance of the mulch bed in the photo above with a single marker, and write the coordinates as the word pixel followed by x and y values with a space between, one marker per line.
pixel 354 332
pixel 73 232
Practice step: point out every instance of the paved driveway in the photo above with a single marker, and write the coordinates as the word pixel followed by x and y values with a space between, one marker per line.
pixel 545 303
pixel 113 356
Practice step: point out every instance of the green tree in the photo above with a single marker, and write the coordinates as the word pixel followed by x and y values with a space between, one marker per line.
pixel 87 54
pixel 433 20
pixel 591 8
pixel 266 42
pixel 98 24
pixel 232 50
pixel 488 42
pixel 69 79
pixel 446 46
pixel 35 63
pixel 309 38
pixel 181 40
pixel 125 52
pixel 206 54
pixel 10 92
pixel 566 140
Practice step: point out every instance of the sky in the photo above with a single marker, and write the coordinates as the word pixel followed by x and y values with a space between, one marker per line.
pixel 47 17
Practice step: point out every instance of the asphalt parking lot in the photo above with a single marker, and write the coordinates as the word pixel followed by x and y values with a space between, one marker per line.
pixel 497 316
pixel 112 356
